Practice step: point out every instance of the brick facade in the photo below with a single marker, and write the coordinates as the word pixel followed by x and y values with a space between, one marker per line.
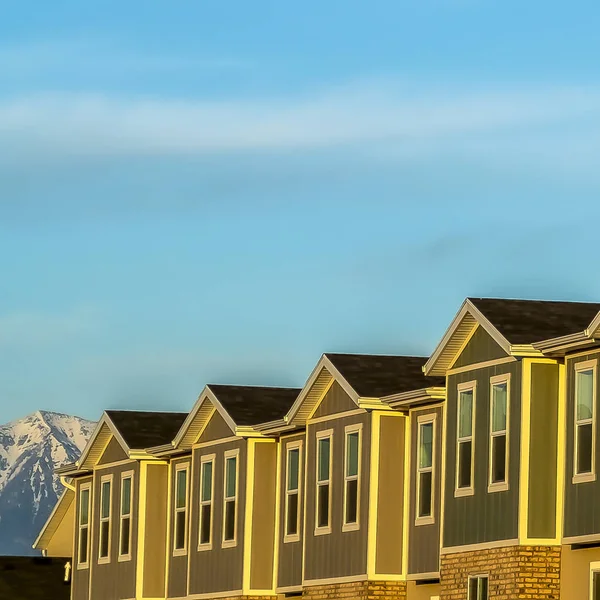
pixel 360 590
pixel 515 572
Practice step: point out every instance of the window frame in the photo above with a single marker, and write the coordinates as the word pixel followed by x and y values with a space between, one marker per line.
pixel 103 560
pixel 478 576
pixel 289 447
pixel 231 454
pixel 499 486
pixel 594 568
pixel 587 365
pixel 126 475
pixel 323 434
pixel 184 466
pixel 207 458
pixel 424 420
pixel 350 429
pixel 84 487
pixel 465 387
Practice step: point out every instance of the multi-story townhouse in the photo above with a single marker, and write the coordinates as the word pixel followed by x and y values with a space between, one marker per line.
pixel 344 462
pixel 119 518
pixel 222 502
pixel 469 475
pixel 504 448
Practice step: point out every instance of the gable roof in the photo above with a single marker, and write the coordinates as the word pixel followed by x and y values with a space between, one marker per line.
pixel 378 376
pixel 33 578
pixel 515 325
pixel 242 407
pixel 142 429
pixel 54 520
pixel 370 380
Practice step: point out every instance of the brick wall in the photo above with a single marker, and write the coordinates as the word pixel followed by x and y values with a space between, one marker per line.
pixel 360 590
pixel 514 572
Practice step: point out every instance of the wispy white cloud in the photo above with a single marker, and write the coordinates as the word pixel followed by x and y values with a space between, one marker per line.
pixel 365 114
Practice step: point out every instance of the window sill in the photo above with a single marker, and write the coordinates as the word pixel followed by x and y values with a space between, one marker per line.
pixel 350 527
pixel 322 530
pixel 462 492
pixel 228 543
pixel 180 552
pixel 498 487
pixel 419 521
pixel 83 566
pixel 124 558
pixel 584 478
pixel 204 547
pixel 290 539
pixel 104 561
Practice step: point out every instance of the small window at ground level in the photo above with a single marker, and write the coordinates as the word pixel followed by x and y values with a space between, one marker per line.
pixel 478 588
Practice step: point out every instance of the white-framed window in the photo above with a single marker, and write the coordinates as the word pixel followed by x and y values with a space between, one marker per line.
pixel 230 498
pixel 324 456
pixel 181 509
pixel 207 484
pixel 585 422
pixel 478 587
pixel 104 543
pixel 499 432
pixel 125 516
pixel 293 460
pixel 465 439
pixel 352 464
pixel 425 469
pixel 595 581
pixel 83 535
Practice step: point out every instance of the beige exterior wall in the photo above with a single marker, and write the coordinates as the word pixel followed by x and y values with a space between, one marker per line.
pixel 61 543
pixel 575 572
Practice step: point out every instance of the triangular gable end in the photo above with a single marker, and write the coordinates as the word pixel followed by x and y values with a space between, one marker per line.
pixel 199 418
pixel 215 429
pixel 335 401
pixel 61 517
pixel 480 347
pixel 457 337
pixel 98 442
pixel 113 452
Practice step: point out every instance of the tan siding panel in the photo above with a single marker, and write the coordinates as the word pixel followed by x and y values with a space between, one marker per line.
pixel 390 510
pixel 157 487
pixel 215 429
pixel 263 516
pixel 61 542
pixel 335 401
pixel 543 460
pixel 338 554
pixel 480 348
pixel 290 553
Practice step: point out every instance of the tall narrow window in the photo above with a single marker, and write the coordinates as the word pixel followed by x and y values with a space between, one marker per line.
pixel 323 501
pixel 125 525
pixel 230 498
pixel 351 477
pixel 425 469
pixel 181 503
pixel 206 501
pixel 499 407
pixel 478 588
pixel 84 525
pixel 105 521
pixel 465 427
pixel 585 418
pixel 292 492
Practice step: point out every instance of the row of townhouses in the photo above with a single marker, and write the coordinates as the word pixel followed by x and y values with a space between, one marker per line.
pixel 466 475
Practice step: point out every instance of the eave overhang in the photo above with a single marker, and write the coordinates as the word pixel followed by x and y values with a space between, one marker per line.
pixel 407 400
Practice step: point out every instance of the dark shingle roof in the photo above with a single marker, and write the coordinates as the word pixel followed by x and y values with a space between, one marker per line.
pixel 373 376
pixel 144 429
pixel 33 578
pixel 251 405
pixel 529 321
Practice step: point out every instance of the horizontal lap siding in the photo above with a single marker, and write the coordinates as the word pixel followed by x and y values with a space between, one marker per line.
pixel 483 517
pixel 582 509
pixel 220 569
pixel 338 554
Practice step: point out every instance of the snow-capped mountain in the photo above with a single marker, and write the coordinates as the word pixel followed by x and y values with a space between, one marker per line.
pixel 30 449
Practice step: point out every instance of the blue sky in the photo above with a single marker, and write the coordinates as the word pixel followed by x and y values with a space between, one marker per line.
pixel 217 191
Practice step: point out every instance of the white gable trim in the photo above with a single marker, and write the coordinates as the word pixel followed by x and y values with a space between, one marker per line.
pixel 103 424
